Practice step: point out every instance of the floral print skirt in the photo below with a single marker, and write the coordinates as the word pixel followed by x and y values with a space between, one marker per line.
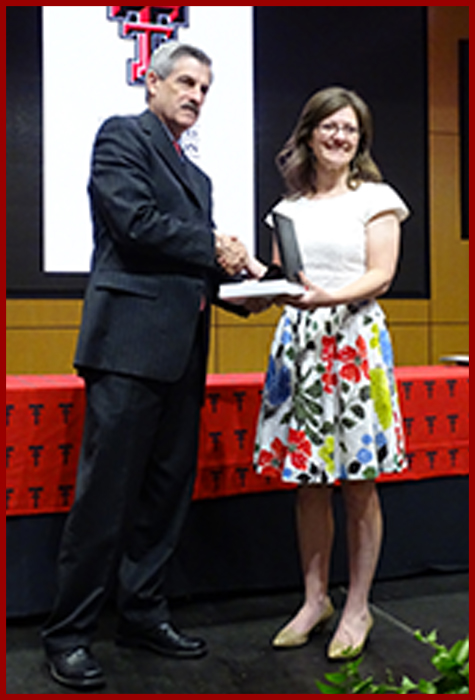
pixel 330 408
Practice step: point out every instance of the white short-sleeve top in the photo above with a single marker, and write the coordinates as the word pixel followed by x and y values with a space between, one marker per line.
pixel 332 231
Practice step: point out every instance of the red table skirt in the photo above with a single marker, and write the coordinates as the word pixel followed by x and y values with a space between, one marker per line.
pixel 45 418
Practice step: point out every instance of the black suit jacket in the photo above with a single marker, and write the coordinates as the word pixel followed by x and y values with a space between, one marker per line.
pixel 154 256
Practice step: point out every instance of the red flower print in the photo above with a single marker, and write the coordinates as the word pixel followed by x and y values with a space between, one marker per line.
pixel 300 448
pixel 400 438
pixel 329 380
pixel 354 361
pixel 272 462
pixel 361 345
pixel 350 372
pixel 328 348
pixel 347 354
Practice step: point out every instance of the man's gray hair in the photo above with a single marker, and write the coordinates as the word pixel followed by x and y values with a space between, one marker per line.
pixel 167 54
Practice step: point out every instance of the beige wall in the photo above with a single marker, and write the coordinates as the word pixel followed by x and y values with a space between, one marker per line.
pixel 41 334
pixel 448 320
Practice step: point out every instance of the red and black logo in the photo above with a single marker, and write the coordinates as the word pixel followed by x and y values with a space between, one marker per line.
pixel 150 27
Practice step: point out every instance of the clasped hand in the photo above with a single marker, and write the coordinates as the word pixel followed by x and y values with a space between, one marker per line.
pixel 231 254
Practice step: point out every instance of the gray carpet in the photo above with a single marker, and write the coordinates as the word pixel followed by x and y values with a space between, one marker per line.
pixel 240 658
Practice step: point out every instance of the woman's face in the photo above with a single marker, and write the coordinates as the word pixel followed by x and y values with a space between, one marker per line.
pixel 334 141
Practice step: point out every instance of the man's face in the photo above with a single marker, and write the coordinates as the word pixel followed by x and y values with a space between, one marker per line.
pixel 177 99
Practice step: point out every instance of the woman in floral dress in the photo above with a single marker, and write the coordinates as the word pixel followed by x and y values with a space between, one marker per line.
pixel 330 409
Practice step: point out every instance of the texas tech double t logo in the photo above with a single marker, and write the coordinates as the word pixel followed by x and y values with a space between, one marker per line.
pixel 149 26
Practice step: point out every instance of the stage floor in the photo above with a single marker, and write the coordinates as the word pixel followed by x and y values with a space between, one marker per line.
pixel 238 630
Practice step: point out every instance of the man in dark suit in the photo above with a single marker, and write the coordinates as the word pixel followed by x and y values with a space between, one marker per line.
pixel 142 351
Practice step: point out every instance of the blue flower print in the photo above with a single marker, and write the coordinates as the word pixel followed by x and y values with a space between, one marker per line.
pixel 343 473
pixel 364 456
pixel 286 336
pixel 287 472
pixel 386 347
pixel 277 387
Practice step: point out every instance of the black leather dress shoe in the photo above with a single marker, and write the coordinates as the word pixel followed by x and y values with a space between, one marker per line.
pixel 164 639
pixel 77 668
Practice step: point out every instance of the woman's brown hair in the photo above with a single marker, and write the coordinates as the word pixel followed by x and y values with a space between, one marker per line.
pixel 296 161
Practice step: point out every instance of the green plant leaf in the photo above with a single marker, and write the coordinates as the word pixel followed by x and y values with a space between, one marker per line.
pixel 364 686
pixel 407 685
pixel 452 665
pixel 329 689
pixel 338 678
pixel 427 687
pixel 430 638
pixel 460 651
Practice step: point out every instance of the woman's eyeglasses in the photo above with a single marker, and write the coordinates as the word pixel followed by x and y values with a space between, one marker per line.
pixel 332 129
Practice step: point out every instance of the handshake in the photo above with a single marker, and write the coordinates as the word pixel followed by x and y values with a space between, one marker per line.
pixel 233 256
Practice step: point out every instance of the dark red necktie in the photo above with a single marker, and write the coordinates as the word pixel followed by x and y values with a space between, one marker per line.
pixel 178 148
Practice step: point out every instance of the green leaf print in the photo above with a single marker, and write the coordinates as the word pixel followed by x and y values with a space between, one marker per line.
pixel 285 420
pixel 300 413
pixel 348 423
pixel 314 436
pixel 365 393
pixel 316 390
pixel 291 354
pixel 314 406
pixel 358 411
pixel 327 427
pixel 312 411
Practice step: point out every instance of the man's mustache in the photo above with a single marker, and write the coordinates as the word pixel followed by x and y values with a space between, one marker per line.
pixel 191 105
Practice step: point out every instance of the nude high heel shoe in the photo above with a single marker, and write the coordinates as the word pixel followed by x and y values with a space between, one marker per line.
pixel 338 651
pixel 287 638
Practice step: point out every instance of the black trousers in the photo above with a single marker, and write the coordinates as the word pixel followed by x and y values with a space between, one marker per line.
pixel 135 481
